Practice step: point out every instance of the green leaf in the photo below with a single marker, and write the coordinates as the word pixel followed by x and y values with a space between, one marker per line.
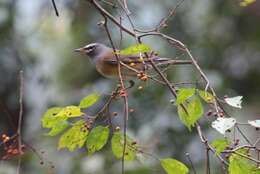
pixel 118 147
pixel 220 145
pixel 75 136
pixel 97 138
pixel 135 49
pixel 173 166
pixel 206 96
pixel 59 127
pixel 50 120
pixel 241 165
pixel 89 100
pixel 184 94
pixel 194 110
pixel 70 111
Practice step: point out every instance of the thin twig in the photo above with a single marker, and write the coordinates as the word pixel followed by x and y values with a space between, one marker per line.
pixel 258 157
pixel 126 107
pixel 18 165
pixel 191 163
pixel 163 22
pixel 243 135
pixel 257 140
pixel 207 145
pixel 207 161
pixel 125 95
pixel 124 6
pixel 109 3
pixel 245 156
pixel 55 8
pixel 21 111
pixel 106 105
pixel 241 147
pixel 108 15
pixel 19 127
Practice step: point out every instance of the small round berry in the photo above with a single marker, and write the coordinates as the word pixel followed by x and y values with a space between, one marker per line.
pixel 140 88
pixel 144 78
pixel 209 113
pixel 114 114
pixel 134 143
pixel 117 128
pixel 132 64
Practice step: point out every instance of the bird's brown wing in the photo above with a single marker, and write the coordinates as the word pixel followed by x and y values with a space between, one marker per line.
pixel 134 62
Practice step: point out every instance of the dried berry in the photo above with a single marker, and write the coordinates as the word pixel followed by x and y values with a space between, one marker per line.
pixel 131 110
pixel 114 114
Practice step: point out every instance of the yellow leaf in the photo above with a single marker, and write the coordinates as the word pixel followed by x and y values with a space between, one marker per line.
pixel 70 111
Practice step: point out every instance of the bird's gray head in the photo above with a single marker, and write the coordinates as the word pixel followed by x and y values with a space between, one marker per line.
pixel 93 50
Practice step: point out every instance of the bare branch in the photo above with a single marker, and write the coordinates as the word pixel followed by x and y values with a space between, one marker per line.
pixel 109 16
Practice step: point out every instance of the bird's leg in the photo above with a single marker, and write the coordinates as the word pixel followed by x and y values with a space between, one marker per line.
pixel 131 84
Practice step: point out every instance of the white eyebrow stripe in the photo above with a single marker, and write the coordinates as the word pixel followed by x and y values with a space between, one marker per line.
pixel 90 45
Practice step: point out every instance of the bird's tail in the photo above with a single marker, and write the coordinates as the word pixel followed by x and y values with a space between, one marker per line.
pixel 167 61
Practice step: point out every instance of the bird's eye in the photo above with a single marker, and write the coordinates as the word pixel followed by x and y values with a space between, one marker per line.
pixel 92 47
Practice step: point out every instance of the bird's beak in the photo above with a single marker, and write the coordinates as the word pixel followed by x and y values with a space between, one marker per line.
pixel 81 50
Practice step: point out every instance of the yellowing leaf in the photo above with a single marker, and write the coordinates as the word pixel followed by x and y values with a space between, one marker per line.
pixel 89 100
pixel 220 145
pixel 118 146
pixel 173 166
pixel 70 111
pixel 194 110
pixel 206 96
pixel 74 137
pixel 183 94
pixel 246 3
pixel 50 120
pixel 97 138
pixel 135 49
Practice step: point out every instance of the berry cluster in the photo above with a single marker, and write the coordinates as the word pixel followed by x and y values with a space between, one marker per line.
pixel 142 76
pixel 10 146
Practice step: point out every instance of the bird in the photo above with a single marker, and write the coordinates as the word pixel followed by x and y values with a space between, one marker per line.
pixel 105 59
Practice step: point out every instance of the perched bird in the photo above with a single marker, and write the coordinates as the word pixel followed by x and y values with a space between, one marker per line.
pixel 105 60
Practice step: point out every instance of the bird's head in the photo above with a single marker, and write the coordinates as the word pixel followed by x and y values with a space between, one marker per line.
pixel 93 50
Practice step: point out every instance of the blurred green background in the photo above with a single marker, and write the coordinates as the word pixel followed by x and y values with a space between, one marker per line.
pixel 224 38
